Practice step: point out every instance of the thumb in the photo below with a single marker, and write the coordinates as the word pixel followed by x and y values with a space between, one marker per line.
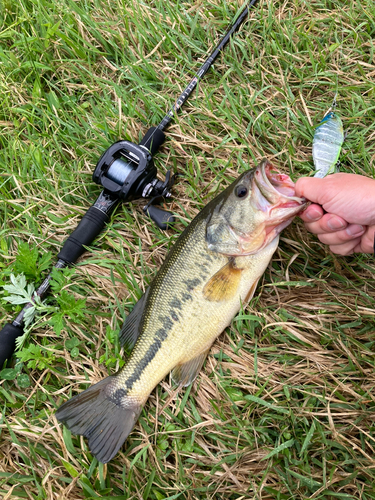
pixel 311 188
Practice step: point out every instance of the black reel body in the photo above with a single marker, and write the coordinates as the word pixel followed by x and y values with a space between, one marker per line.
pixel 127 171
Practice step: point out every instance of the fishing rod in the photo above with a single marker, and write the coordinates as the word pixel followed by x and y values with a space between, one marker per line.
pixel 127 172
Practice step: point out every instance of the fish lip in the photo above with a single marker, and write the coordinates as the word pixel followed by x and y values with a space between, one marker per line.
pixel 280 204
pixel 282 198
pixel 277 177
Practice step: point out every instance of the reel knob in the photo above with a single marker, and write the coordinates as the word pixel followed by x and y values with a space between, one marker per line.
pixel 161 217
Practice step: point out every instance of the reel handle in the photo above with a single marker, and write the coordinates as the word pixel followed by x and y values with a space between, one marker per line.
pixel 162 218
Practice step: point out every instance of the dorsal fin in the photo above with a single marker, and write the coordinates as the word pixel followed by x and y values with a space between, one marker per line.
pixel 130 330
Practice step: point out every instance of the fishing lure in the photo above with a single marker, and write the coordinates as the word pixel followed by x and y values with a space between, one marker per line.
pixel 327 143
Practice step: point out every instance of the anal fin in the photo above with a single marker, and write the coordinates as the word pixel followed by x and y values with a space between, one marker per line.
pixel 185 373
pixel 224 284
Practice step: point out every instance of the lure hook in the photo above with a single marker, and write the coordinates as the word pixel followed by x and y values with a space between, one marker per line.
pixel 333 105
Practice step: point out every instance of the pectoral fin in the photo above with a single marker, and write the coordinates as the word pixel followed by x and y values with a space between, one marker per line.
pixel 130 330
pixel 184 374
pixel 224 284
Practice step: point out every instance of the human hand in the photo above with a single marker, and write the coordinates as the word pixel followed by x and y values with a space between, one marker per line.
pixel 349 200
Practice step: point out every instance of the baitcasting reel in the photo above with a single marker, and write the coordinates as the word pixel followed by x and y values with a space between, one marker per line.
pixel 127 171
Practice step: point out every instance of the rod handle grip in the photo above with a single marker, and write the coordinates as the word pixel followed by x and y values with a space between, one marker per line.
pixel 92 223
pixel 8 337
pixel 153 139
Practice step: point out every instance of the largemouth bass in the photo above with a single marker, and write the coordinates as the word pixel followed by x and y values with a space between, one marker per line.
pixel 212 269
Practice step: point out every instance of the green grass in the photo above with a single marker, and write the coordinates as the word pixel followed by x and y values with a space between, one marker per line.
pixel 284 407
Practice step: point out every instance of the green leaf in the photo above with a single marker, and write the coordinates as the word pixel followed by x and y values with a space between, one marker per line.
pixel 45 261
pixel 308 437
pixel 74 352
pixel 16 299
pixel 147 490
pixel 307 481
pixel 159 496
pixel 71 306
pixel 18 285
pixel 57 322
pixel 29 315
pixel 21 340
pixel 57 280
pixel 26 261
pixel 260 401
pixel 71 343
pixel 279 448
pixel 70 469
pixel 23 381
pixel 20 292
pixel 333 47
pixel 8 374
pixel 35 358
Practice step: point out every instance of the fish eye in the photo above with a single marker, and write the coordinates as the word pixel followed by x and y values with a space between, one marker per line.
pixel 241 191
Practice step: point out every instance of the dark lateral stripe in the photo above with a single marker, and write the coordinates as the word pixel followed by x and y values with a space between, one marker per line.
pixel 159 337
pixel 186 296
pixel 175 303
pixel 191 284
pixel 151 352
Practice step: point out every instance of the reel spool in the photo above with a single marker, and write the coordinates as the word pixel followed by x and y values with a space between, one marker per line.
pixel 127 171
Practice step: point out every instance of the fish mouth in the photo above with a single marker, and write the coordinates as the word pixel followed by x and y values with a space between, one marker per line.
pixel 273 193
pixel 278 198
pixel 276 188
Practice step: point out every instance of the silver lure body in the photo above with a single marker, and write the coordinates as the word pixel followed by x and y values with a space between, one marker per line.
pixel 327 143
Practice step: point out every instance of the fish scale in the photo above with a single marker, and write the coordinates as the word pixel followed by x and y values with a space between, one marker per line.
pixel 200 321
pixel 210 272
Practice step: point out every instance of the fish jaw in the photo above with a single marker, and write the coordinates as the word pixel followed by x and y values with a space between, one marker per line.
pixel 273 193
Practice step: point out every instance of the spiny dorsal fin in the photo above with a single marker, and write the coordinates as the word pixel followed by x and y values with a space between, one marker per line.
pixel 130 330
pixel 184 374
pixel 224 284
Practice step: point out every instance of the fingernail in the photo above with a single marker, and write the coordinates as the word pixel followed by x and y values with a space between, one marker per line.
pixel 335 223
pixel 313 215
pixel 354 230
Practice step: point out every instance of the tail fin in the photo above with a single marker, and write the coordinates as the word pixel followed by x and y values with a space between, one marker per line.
pixel 95 415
